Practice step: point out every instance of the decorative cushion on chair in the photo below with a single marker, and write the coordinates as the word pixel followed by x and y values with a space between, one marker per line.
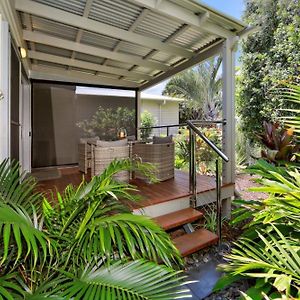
pixel 162 140
pixel 106 144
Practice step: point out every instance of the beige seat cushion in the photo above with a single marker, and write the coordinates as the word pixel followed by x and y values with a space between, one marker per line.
pixel 89 140
pixel 106 144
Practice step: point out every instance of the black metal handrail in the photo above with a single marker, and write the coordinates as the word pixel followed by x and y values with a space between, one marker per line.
pixel 191 124
pixel 196 122
pixel 193 130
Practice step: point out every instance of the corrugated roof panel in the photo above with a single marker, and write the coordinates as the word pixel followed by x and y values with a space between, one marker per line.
pixel 134 49
pixel 89 58
pixel 157 26
pixel 53 50
pixel 101 41
pixel 189 37
pixel 201 44
pixel 118 13
pixel 54 28
pixel 72 6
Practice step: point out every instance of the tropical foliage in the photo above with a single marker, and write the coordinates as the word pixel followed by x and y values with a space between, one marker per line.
pixel 291 94
pixel 205 156
pixel 147 121
pixel 201 87
pixel 268 250
pixel 281 145
pixel 83 243
pixel 269 56
pixel 106 122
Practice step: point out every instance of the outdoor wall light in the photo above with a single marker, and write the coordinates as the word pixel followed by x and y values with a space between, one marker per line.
pixel 23 52
pixel 122 133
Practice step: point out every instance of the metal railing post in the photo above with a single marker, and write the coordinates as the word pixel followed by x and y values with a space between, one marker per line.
pixel 219 201
pixel 193 171
pixel 168 131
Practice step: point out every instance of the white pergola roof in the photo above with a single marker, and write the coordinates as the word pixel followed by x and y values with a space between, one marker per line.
pixel 121 43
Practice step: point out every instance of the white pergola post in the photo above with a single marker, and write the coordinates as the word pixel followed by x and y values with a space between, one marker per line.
pixel 138 105
pixel 228 73
pixel 4 87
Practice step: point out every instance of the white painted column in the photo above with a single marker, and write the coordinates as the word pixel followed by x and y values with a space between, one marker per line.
pixel 228 74
pixel 4 87
pixel 138 112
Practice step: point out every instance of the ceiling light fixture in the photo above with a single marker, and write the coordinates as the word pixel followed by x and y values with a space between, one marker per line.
pixel 23 52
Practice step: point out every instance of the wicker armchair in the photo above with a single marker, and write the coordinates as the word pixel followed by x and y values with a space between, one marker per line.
pixel 161 155
pixel 84 153
pixel 102 156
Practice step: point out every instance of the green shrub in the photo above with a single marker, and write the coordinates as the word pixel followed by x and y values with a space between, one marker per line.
pixel 268 250
pixel 106 122
pixel 85 244
pixel 147 120
pixel 205 156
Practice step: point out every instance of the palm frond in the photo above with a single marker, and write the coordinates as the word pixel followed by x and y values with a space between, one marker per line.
pixel 17 188
pixel 20 236
pixel 132 280
pixel 291 94
pixel 270 258
pixel 9 287
pixel 126 234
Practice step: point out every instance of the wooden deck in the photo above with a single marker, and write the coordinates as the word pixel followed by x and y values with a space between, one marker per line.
pixel 152 194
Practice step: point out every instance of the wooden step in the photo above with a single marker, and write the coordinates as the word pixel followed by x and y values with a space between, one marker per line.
pixel 178 218
pixel 192 242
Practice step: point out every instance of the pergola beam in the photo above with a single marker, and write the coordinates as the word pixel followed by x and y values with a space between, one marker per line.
pixel 169 39
pixel 86 65
pixel 86 12
pixel 181 14
pixel 139 19
pixel 201 56
pixel 49 40
pixel 55 74
pixel 10 15
pixel 28 24
pixel 64 17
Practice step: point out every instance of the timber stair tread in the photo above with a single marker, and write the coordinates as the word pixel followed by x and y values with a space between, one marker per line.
pixel 195 241
pixel 178 218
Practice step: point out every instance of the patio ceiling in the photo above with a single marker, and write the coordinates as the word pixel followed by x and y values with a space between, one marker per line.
pixel 122 43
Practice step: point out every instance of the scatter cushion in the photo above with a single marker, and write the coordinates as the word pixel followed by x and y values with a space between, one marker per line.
pixel 89 140
pixel 119 143
pixel 162 140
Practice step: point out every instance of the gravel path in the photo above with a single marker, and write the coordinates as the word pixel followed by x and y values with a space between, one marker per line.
pixel 243 183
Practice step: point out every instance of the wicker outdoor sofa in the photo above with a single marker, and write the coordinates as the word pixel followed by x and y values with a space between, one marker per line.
pixel 103 153
pixel 97 155
pixel 161 155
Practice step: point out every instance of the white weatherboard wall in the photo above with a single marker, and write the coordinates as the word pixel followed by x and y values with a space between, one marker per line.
pixel 4 87
pixel 165 113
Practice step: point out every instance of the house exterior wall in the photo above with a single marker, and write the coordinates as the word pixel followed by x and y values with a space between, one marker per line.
pixel 165 113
